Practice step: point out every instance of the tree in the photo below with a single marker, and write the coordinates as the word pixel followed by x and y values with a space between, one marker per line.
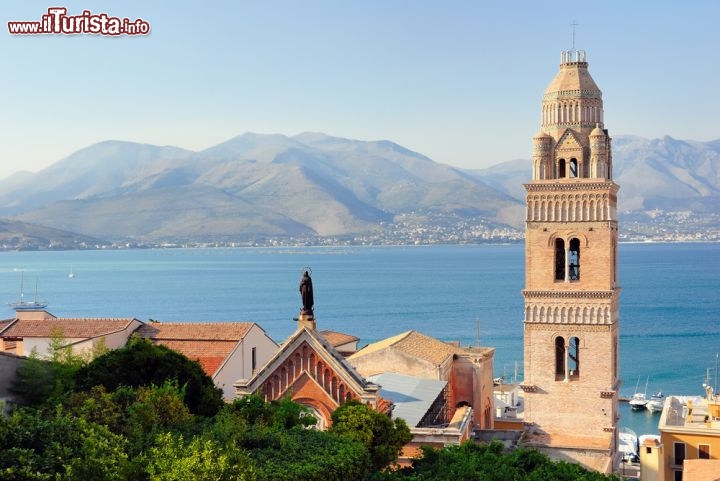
pixel 139 414
pixel 44 380
pixel 282 413
pixel 173 459
pixel 309 455
pixel 489 462
pixel 383 437
pixel 142 363
pixel 56 445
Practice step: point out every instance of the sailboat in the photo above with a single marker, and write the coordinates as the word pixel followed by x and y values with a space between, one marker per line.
pixel 71 275
pixel 24 305
pixel 639 400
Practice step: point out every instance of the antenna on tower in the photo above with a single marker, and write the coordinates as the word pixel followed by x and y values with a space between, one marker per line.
pixel 573 25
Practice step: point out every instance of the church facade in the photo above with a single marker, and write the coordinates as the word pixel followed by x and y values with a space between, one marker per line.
pixel 571 308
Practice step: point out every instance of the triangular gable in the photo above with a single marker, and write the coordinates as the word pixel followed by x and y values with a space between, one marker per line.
pixel 307 353
pixel 569 140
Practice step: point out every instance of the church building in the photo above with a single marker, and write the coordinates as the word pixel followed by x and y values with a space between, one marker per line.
pixel 571 323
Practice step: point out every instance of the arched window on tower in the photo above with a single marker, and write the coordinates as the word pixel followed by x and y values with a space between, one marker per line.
pixel 559 260
pixel 574 260
pixel 574 358
pixel 559 358
pixel 573 167
pixel 561 169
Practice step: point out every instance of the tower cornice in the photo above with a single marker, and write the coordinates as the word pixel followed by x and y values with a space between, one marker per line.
pixel 545 294
pixel 554 185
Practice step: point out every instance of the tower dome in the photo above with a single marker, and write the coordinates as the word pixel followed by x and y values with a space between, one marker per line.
pixel 573 99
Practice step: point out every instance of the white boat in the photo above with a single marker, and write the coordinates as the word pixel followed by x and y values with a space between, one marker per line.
pixel 71 275
pixel 24 305
pixel 656 402
pixel 628 445
pixel 639 400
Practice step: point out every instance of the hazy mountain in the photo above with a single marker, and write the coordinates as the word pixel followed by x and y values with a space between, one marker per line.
pixel 89 172
pixel 255 186
pixel 667 174
pixel 249 186
pixel 21 235
pixel 664 173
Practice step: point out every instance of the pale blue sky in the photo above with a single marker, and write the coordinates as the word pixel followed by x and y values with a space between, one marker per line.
pixel 459 81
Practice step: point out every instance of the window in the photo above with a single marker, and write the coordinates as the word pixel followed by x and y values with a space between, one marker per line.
pixel 559 260
pixel 253 359
pixel 677 476
pixel 574 259
pixel 574 358
pixel 573 167
pixel 703 451
pixel 678 453
pixel 561 169
pixel 559 358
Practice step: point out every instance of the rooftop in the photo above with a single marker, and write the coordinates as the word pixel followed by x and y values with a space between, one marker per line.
pixel 338 338
pixel 411 396
pixel 691 414
pixel 69 328
pixel 196 331
pixel 416 344
pixel 208 343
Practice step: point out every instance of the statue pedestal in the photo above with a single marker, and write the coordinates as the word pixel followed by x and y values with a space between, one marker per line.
pixel 306 319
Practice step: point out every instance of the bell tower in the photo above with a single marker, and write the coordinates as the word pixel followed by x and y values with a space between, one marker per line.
pixel 571 324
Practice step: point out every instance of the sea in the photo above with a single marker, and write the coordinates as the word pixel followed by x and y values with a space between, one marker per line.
pixel 669 306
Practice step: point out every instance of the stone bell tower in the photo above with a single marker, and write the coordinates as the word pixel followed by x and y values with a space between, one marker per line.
pixel 571 325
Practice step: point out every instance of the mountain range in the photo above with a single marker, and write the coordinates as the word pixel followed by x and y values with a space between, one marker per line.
pixel 257 186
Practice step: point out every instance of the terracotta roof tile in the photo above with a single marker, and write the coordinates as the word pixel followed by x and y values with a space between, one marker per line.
pixel 414 344
pixel 209 343
pixel 66 327
pixel 205 331
pixel 338 338
pixel 210 354
pixel 5 323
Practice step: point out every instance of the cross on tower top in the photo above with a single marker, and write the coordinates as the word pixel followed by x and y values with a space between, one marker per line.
pixel 573 25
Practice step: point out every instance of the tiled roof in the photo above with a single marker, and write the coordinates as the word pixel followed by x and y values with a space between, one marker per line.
pixel 209 343
pixel 66 327
pixel 338 338
pixel 201 331
pixel 5 323
pixel 414 344
pixel 210 354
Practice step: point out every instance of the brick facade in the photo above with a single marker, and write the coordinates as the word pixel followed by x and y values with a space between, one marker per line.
pixel 571 323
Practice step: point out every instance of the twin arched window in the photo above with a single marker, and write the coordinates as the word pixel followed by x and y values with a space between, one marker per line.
pixel 567 260
pixel 567 358
pixel 568 169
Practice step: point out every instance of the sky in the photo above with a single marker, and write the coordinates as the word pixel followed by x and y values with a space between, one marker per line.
pixel 458 81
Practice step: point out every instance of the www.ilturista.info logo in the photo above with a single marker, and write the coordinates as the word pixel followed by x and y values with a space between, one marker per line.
pixel 57 21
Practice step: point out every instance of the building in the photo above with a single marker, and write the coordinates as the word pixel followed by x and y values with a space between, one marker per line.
pixel 312 372
pixel 467 373
pixel 227 351
pixel 689 446
pixel 346 344
pixel 36 331
pixel 571 319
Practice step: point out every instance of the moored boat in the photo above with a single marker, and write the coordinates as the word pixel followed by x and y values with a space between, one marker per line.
pixel 639 400
pixel 656 402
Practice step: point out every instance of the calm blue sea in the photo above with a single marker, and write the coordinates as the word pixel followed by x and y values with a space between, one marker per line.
pixel 670 308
